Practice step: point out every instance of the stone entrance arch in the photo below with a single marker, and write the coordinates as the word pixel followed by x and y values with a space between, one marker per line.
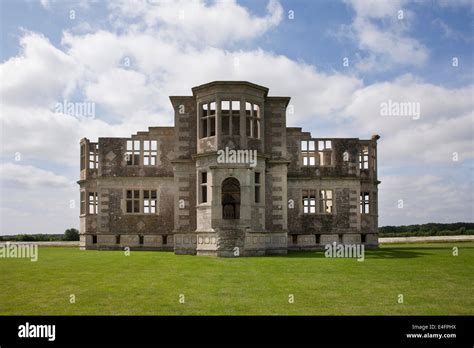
pixel 230 199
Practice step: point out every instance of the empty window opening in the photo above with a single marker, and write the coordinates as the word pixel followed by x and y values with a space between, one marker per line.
pixel 93 156
pixel 309 201
pixel 318 239
pixel 203 187
pixel 230 198
pixel 83 156
pixel 149 201
pixel 132 155
pixel 374 160
pixel 324 145
pixel 252 117
pixel 230 116
pixel 364 202
pixel 133 201
pixel 294 239
pixel 257 187
pixel 325 201
pixel 83 202
pixel 140 240
pixel 309 153
pixel 324 152
pixel 364 157
pixel 165 239
pixel 150 152
pixel 93 201
pixel 363 238
pixel 94 239
pixel 117 239
pixel 208 120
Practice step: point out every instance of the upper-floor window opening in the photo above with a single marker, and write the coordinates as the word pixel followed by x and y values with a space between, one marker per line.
pixel 364 157
pixel 252 116
pixel 230 117
pixel 324 145
pixel 133 153
pixel 150 152
pixel 308 151
pixel 93 156
pixel 83 156
pixel 324 152
pixel 208 120
pixel 83 203
pixel 93 202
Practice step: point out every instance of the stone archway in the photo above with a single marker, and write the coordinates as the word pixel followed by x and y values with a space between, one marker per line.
pixel 230 199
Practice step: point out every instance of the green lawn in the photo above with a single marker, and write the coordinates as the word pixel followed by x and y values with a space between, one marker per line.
pixel 432 281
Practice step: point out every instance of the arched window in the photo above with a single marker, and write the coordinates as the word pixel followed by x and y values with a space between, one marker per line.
pixel 230 199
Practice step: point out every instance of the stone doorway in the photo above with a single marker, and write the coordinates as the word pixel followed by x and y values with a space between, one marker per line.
pixel 230 199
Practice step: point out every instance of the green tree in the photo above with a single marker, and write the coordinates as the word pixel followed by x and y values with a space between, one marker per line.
pixel 71 234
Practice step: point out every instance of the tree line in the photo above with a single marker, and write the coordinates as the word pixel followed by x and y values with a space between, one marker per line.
pixel 429 229
pixel 71 234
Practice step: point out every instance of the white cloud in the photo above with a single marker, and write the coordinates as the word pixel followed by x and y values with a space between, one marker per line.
pixel 123 92
pixel 36 200
pixel 376 8
pixel 45 3
pixel 425 198
pixel 223 22
pixel 27 175
pixel 39 75
pixel 388 44
pixel 383 36
pixel 444 125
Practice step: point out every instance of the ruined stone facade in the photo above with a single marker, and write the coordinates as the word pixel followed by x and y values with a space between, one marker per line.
pixel 171 188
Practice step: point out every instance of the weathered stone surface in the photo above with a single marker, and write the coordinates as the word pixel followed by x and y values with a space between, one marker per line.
pixel 329 239
pixel 351 238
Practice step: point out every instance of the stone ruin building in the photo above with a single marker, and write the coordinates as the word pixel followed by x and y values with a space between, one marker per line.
pixel 229 179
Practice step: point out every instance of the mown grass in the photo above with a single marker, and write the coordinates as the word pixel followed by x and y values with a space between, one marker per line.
pixel 431 279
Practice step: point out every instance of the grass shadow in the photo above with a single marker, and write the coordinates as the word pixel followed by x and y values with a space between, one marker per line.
pixel 381 253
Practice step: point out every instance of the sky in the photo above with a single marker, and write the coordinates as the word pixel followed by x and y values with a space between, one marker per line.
pixel 339 61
